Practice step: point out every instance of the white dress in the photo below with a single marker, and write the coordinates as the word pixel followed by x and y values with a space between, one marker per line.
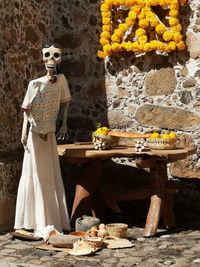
pixel 41 197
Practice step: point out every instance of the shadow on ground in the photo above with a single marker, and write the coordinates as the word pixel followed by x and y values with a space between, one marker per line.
pixel 134 212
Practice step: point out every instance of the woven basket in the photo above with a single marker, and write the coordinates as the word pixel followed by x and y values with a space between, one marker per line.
pixel 161 143
pixel 117 229
pixel 94 240
pixel 102 142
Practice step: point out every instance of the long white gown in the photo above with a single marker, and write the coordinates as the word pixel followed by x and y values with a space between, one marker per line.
pixel 41 197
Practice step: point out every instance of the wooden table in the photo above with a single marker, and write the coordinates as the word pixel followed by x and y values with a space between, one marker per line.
pixel 89 189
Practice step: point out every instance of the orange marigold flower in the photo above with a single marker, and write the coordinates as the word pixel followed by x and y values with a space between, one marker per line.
pixel 143 23
pixel 106 14
pixel 105 35
pixel 174 2
pixel 103 41
pixel 109 2
pixel 107 48
pixel 154 22
pixel 140 32
pixel 127 46
pixel 141 15
pixel 105 7
pixel 106 21
pixel 173 13
pixel 130 22
pixel 181 46
pixel 132 14
pixel 174 6
pixel 166 49
pixel 101 54
pixel 136 9
pixel 135 46
pixel 115 2
pixel 173 21
pixel 167 35
pixel 153 44
pixel 119 32
pixel 115 38
pixel 160 29
pixel 106 28
pixel 129 2
pixel 177 37
pixel 150 15
pixel 166 2
pixel 116 47
pixel 160 46
pixel 177 28
pixel 145 10
pixel 154 2
pixel 123 27
pixel 148 47
pixel 141 3
pixel 142 39
pixel 172 46
pixel 121 2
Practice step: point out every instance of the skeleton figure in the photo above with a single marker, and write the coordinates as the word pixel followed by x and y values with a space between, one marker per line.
pixel 41 196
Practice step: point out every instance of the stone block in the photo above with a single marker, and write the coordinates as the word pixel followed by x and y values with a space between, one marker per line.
pixel 165 117
pixel 160 82
pixel 193 41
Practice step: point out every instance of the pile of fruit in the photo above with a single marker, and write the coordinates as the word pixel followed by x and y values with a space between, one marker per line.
pixel 170 135
pixel 101 131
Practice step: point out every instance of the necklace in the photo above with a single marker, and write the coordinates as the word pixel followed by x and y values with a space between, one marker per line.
pixel 52 79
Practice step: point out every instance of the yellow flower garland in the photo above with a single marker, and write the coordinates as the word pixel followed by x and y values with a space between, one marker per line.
pixel 140 11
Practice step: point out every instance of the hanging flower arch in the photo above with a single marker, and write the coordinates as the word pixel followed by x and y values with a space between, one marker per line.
pixel 141 16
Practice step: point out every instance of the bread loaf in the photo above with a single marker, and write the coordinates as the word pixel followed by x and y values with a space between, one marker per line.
pixel 128 134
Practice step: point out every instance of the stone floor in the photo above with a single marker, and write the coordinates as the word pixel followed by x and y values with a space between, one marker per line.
pixel 180 247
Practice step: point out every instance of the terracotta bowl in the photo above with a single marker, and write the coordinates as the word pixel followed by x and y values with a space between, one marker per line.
pixel 78 233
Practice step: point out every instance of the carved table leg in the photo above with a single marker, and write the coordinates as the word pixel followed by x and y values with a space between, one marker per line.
pixel 84 202
pixel 159 200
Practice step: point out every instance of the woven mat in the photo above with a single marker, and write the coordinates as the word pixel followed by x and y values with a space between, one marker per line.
pixel 50 247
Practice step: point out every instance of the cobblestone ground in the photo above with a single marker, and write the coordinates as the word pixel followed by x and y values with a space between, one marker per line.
pixel 180 247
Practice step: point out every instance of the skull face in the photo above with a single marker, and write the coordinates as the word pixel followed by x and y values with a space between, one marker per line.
pixel 51 57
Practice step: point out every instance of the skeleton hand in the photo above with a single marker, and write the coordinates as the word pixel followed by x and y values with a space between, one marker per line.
pixel 62 134
pixel 24 142
pixel 24 132
pixel 24 139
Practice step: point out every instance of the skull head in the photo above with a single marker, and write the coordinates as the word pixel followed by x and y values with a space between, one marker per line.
pixel 51 57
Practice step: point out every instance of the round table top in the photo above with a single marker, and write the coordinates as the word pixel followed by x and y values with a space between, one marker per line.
pixel 85 150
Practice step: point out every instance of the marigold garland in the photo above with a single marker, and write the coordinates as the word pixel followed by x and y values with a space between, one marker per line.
pixel 166 39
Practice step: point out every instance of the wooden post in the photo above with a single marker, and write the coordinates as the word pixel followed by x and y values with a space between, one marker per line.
pixel 161 200
pixel 154 212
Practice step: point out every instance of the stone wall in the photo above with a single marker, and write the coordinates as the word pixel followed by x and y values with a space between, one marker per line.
pixel 24 27
pixel 125 92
